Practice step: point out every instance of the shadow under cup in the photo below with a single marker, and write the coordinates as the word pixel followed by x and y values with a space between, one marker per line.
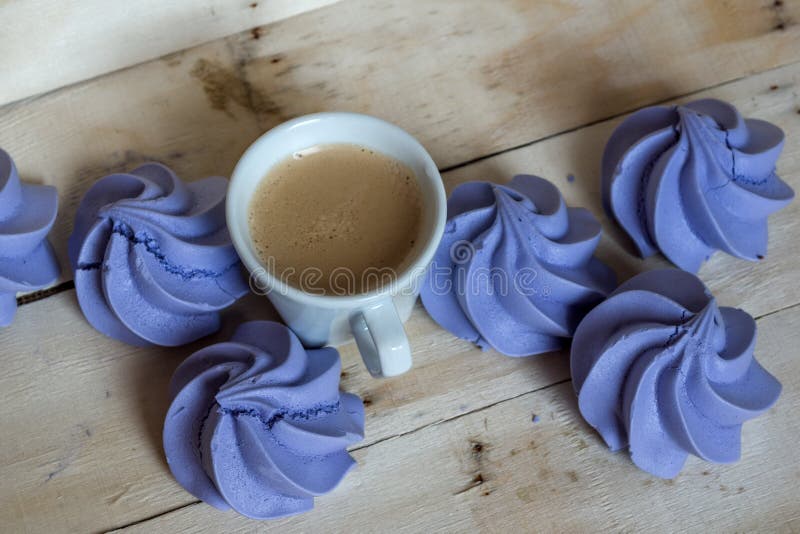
pixel 375 317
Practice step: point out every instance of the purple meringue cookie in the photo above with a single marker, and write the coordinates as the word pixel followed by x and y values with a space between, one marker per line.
pixel 153 260
pixel 693 179
pixel 258 424
pixel 661 370
pixel 515 269
pixel 27 261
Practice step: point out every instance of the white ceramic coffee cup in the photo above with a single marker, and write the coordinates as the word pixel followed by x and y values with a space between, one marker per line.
pixel 374 318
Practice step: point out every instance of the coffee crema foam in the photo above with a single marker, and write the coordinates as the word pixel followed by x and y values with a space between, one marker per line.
pixel 336 219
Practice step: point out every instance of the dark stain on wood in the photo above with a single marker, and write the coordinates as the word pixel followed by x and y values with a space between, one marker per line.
pixel 478 451
pixel 573 476
pixel 476 481
pixel 544 473
pixel 223 86
pixel 174 59
pixel 254 5
pixel 256 33
pixel 117 162
pixel 780 20
pixel 526 494
pixel 59 468
pixel 773 87
pixel 286 70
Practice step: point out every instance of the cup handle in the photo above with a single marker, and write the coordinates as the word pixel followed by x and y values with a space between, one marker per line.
pixel 381 339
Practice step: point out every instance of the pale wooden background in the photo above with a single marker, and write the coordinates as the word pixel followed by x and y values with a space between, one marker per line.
pixel 491 89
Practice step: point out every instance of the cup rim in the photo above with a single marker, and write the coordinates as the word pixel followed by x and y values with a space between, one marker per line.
pixel 404 279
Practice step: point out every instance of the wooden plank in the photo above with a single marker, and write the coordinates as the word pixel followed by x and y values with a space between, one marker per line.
pixel 116 475
pixel 47 44
pixel 496 471
pixel 83 413
pixel 515 72
pixel 759 288
pixel 85 417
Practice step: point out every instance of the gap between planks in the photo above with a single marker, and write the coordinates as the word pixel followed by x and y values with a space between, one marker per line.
pixel 36 28
pixel 611 117
pixel 354 449
pixel 418 429
pixel 615 468
pixel 67 285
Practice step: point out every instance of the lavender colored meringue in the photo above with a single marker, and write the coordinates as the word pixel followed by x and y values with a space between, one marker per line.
pixel 153 260
pixel 27 261
pixel 515 269
pixel 663 371
pixel 693 179
pixel 258 424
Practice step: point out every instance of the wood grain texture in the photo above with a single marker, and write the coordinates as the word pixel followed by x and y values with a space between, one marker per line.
pixel 98 407
pixel 82 414
pixel 759 288
pixel 467 78
pixel 495 471
pixel 85 413
pixel 451 379
pixel 47 44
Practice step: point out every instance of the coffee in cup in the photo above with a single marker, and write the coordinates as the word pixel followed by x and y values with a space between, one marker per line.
pixel 336 219
pixel 373 316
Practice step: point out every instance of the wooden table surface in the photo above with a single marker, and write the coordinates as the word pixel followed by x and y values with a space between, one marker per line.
pixel 491 89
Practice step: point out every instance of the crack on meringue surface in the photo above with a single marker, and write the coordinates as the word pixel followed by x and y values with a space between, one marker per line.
pixel 199 446
pixel 680 328
pixel 664 372
pixel 90 266
pixel 516 268
pixel 224 290
pixel 315 412
pixel 153 260
pixel 152 247
pixel 693 179
pixel 740 178
pixel 309 414
pixel 258 424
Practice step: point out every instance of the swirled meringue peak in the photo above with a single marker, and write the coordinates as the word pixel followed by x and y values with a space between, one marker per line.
pixel 153 260
pixel 515 269
pixel 27 261
pixel 693 179
pixel 660 369
pixel 258 424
